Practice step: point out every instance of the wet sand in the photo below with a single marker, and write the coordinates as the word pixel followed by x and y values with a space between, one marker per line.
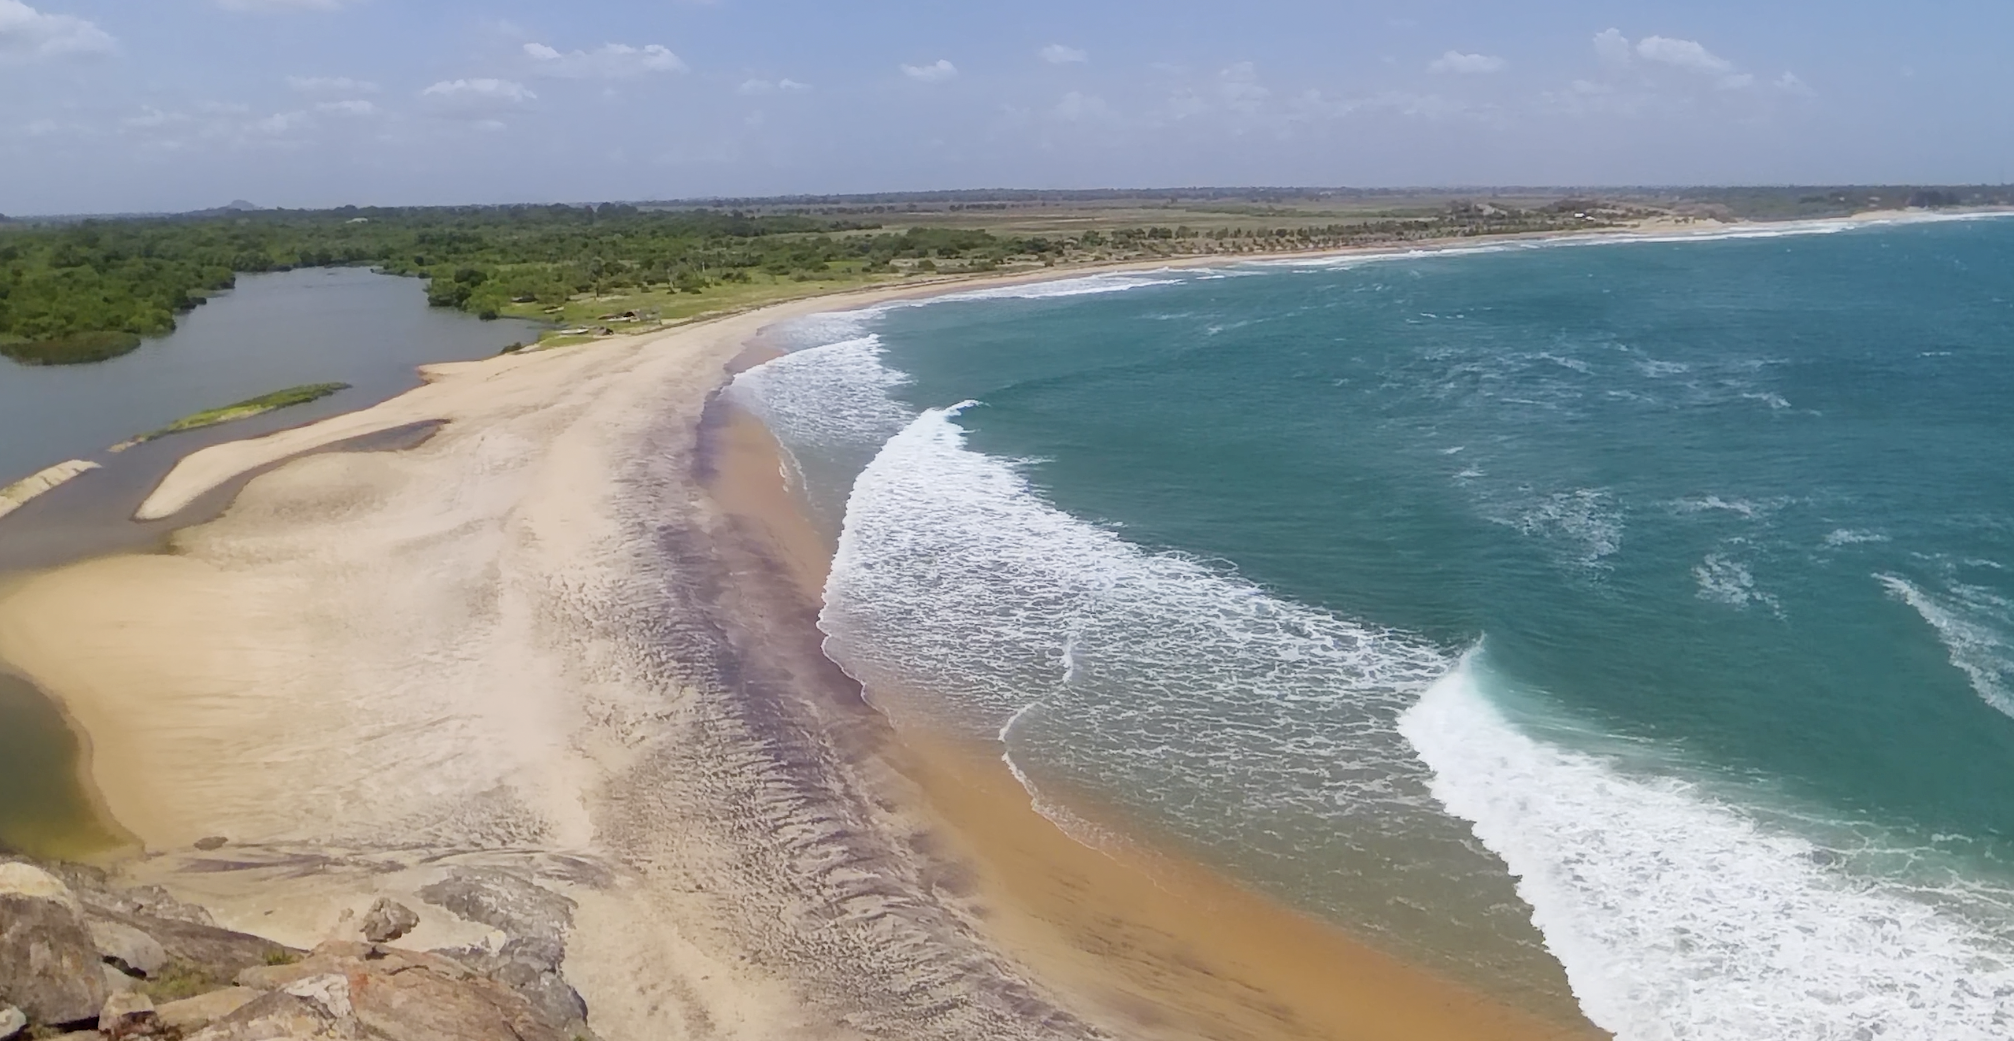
pixel 1146 944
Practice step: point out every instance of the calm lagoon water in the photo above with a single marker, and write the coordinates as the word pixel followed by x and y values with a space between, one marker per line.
pixel 318 325
pixel 1627 625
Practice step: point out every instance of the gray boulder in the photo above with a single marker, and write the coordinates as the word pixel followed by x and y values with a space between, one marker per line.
pixel 116 982
pixel 192 1014
pixel 534 921
pixel 388 920
pixel 49 967
pixel 130 1014
pixel 130 949
pixel 392 994
pixel 280 1015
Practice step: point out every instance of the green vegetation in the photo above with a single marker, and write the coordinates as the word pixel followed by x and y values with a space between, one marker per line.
pixel 73 349
pixel 85 290
pixel 181 979
pixel 132 277
pixel 248 408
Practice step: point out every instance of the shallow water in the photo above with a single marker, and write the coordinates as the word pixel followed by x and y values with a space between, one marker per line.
pixel 1639 608
pixel 318 325
pixel 273 331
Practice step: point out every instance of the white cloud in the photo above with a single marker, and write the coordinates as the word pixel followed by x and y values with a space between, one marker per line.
pixel 331 85
pixel 1683 54
pixel 1468 64
pixel 1612 46
pixel 478 99
pixel 1693 57
pixel 352 107
pixel 28 33
pixel 609 61
pixel 1058 54
pixel 934 72
pixel 758 88
pixel 1789 81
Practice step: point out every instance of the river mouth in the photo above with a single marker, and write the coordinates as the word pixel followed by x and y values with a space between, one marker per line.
pixel 46 808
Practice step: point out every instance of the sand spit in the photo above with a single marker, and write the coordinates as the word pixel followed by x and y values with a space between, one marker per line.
pixel 15 495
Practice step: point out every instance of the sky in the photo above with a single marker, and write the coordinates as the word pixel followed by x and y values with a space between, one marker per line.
pixel 160 105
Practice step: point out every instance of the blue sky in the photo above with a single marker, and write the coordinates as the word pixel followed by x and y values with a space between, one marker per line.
pixel 125 105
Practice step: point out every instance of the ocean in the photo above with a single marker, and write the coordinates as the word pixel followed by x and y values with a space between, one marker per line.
pixel 1639 609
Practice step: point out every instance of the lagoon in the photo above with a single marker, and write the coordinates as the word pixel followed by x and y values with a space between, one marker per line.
pixel 347 325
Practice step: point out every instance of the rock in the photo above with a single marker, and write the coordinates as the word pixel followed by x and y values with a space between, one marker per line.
pixel 279 1016
pixel 191 1014
pixel 127 1015
pixel 535 920
pixel 400 996
pixel 219 952
pixel 127 947
pixel 329 991
pixel 117 982
pixel 388 920
pixel 49 967
pixel 12 1021
pixel 210 842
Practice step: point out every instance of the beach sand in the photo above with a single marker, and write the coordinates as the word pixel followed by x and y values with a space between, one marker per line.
pixel 571 636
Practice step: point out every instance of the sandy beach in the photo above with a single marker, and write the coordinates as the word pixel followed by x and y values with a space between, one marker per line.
pixel 571 636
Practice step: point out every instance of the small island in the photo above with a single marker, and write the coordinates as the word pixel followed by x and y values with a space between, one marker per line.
pixel 245 409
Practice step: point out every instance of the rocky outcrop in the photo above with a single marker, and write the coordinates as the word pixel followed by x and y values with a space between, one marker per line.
pixel 130 1014
pixel 388 920
pixel 534 920
pixel 362 991
pixel 192 1014
pixel 77 950
pixel 128 949
pixel 49 967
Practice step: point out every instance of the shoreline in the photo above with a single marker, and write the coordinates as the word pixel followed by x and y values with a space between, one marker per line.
pixel 243 636
pixel 1156 945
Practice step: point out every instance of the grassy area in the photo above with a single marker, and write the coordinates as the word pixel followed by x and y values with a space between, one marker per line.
pixel 75 349
pixel 662 305
pixel 248 408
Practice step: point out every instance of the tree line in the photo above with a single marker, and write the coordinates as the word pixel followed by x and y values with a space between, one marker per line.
pixel 83 291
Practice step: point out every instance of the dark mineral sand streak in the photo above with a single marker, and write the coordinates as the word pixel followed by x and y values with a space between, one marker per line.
pixel 1145 944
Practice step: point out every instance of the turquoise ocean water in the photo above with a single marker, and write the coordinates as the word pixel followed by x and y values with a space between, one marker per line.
pixel 1640 610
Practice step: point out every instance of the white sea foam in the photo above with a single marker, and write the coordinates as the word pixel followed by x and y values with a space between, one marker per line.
pixel 1849 537
pixel 1976 627
pixel 1742 507
pixel 1728 581
pixel 1087 285
pixel 837 393
pixel 1254 726
pixel 1586 522
pixel 1679 917
pixel 829 327
pixel 1773 400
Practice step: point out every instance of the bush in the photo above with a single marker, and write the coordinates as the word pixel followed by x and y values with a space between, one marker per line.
pixel 74 349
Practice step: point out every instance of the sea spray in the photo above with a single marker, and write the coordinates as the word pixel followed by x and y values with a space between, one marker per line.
pixel 1680 917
